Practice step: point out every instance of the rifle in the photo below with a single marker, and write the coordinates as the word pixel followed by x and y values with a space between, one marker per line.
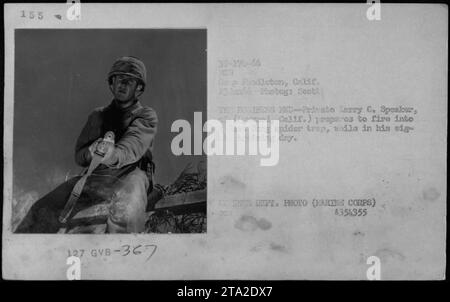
pixel 97 159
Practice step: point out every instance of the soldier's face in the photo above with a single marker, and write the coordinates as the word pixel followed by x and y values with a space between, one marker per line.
pixel 124 88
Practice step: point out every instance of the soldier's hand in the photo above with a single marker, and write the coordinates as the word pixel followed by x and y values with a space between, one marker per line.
pixel 103 147
pixel 93 146
pixel 109 148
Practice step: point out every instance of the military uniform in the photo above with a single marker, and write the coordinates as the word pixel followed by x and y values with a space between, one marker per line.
pixel 130 161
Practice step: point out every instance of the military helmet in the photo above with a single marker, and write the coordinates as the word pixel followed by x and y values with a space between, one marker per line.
pixel 130 66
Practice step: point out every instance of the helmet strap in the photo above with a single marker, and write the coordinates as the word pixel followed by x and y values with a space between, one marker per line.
pixel 138 93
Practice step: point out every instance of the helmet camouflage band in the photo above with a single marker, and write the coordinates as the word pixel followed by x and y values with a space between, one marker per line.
pixel 130 66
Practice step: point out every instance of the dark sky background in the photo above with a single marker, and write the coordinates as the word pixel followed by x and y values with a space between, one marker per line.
pixel 60 77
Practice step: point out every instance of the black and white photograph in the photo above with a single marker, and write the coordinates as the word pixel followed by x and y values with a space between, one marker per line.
pixel 225 142
pixel 92 117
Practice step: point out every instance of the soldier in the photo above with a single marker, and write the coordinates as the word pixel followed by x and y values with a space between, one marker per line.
pixel 129 159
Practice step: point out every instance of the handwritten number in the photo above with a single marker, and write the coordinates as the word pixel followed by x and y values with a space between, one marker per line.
pixel 153 251
pixel 136 251
pixel 127 249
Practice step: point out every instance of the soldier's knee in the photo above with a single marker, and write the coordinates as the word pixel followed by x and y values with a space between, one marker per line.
pixel 127 208
pixel 118 214
pixel 129 203
pixel 124 217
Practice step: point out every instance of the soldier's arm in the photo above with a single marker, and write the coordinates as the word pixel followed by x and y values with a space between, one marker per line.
pixel 136 140
pixel 91 131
